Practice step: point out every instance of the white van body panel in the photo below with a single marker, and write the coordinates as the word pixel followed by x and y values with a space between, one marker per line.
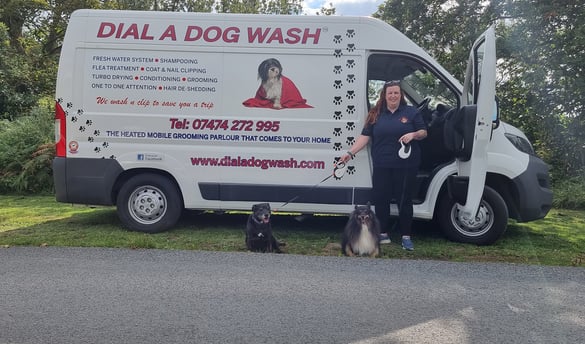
pixel 166 92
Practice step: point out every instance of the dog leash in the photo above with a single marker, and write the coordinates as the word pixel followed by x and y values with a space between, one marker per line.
pixel 338 172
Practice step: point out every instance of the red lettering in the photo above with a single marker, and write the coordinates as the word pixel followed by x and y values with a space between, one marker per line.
pixel 231 35
pixel 144 34
pixel 169 32
pixel 106 30
pixel 315 36
pixel 293 36
pixel 119 32
pixel 198 32
pixel 276 36
pixel 257 35
pixel 212 34
pixel 132 31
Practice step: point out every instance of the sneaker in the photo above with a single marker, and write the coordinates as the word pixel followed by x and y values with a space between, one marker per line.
pixel 384 239
pixel 407 244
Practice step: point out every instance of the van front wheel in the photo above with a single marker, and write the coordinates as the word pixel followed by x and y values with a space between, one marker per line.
pixel 488 226
pixel 149 203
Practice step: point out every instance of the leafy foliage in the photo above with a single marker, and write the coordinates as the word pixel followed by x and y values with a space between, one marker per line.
pixel 570 193
pixel 26 152
pixel 541 70
pixel 18 88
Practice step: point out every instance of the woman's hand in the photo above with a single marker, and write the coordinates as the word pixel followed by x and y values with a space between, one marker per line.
pixel 345 158
pixel 406 138
pixel 416 135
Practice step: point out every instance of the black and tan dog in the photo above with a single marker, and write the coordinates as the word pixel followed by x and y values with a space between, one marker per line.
pixel 259 237
pixel 361 236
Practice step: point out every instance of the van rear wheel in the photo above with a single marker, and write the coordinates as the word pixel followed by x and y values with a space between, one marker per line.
pixel 149 203
pixel 487 227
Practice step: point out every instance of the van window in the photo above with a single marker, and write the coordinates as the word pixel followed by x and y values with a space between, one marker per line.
pixel 422 87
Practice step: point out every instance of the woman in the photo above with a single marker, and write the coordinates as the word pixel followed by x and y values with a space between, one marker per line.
pixel 390 124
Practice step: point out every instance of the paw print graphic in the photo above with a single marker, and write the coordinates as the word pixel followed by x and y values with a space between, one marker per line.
pixel 337 39
pixel 337 84
pixel 89 122
pixel 350 94
pixel 337 132
pixel 337 115
pixel 337 53
pixel 97 149
pixel 90 139
pixel 350 63
pixel 112 157
pixel 79 112
pixel 350 109
pixel 351 78
pixel 74 119
pixel 96 132
pixel 350 170
pixel 337 69
pixel 350 126
pixel 350 33
pixel 350 140
pixel 337 146
pixel 105 145
pixel 69 105
pixel 82 128
pixel 59 100
pixel 337 100
pixel 350 47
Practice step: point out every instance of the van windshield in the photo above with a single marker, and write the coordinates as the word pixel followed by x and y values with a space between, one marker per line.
pixel 422 87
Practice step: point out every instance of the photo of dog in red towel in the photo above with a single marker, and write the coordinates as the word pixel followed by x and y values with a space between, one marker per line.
pixel 276 91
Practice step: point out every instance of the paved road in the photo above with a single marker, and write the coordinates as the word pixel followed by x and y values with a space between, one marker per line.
pixel 86 295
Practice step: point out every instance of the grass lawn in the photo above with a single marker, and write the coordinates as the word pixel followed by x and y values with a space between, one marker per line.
pixel 558 239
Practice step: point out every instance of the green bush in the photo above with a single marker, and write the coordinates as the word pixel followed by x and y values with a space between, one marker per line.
pixel 570 193
pixel 26 152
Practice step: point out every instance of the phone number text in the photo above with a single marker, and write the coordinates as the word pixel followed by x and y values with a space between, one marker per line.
pixel 224 124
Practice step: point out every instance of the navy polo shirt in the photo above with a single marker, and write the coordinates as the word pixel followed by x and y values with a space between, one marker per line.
pixel 384 135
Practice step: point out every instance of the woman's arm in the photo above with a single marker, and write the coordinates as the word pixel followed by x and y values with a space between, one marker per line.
pixel 416 135
pixel 359 144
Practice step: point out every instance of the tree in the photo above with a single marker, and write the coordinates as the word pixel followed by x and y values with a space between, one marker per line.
pixel 541 86
pixel 259 6
pixel 327 11
pixel 18 88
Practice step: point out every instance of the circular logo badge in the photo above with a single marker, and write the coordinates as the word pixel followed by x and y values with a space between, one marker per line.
pixel 73 147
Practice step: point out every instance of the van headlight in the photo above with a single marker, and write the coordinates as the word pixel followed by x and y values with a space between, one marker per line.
pixel 521 143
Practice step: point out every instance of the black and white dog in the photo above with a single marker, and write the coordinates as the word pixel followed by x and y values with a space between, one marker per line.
pixel 361 236
pixel 259 237
pixel 270 72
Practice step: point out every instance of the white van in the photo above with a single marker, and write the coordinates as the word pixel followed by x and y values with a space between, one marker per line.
pixel 157 112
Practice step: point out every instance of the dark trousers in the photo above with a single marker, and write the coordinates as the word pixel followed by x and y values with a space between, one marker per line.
pixel 394 185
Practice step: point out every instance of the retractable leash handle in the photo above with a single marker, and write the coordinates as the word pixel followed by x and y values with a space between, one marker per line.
pixel 404 151
pixel 338 172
